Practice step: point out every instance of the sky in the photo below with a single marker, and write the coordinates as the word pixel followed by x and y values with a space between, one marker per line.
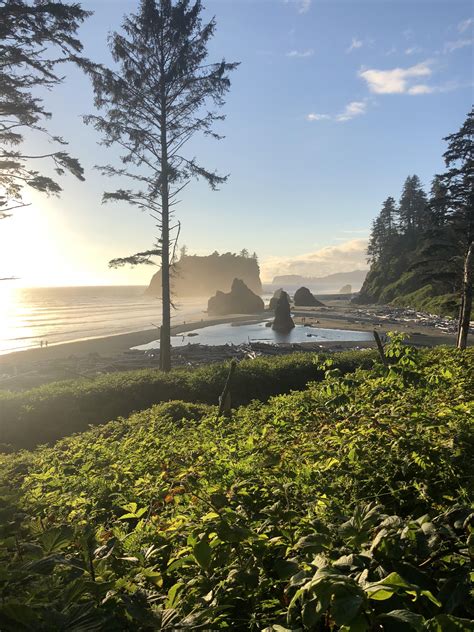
pixel 333 104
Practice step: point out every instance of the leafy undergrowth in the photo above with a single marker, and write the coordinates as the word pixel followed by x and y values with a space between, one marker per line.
pixel 342 507
pixel 56 410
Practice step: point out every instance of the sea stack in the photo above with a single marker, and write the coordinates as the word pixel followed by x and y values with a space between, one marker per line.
pixel 283 322
pixel 304 298
pixel 240 300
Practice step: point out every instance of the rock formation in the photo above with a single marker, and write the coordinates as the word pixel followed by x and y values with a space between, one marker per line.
pixel 240 300
pixel 283 322
pixel 304 298
pixel 274 300
pixel 194 275
pixel 346 289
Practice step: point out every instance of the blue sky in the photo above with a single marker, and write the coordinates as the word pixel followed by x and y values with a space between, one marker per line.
pixel 333 105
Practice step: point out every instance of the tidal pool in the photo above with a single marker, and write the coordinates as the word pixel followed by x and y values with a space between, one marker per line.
pixel 258 332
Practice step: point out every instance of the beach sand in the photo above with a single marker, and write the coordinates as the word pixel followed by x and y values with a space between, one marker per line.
pixel 85 358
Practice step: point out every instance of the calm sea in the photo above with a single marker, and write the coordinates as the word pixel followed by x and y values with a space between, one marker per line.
pixel 65 314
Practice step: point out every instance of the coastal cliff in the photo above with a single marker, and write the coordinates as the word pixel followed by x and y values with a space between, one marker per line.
pixel 194 275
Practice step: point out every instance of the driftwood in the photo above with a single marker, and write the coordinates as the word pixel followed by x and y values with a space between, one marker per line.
pixel 225 401
pixel 380 349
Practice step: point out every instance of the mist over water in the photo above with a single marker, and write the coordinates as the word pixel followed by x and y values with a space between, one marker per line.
pixel 66 314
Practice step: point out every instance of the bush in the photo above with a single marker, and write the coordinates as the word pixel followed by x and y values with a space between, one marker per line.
pixel 342 507
pixel 55 410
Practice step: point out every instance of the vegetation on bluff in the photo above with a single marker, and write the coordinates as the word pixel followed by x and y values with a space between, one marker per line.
pixel 193 275
pixel 52 411
pixel 419 249
pixel 342 507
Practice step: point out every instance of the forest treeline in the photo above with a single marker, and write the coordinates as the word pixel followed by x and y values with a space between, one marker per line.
pixel 194 275
pixel 420 248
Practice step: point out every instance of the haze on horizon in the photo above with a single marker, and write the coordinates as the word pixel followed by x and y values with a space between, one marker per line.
pixel 333 105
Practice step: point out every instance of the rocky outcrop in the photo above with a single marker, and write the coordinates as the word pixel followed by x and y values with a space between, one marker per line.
pixel 195 275
pixel 346 289
pixel 274 300
pixel 283 322
pixel 304 298
pixel 240 300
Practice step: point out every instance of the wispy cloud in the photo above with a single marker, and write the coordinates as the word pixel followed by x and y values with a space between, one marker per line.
pixel 302 6
pixel 343 257
pixel 397 80
pixel 465 25
pixel 301 53
pixel 450 47
pixel 352 110
pixel 355 44
pixel 312 116
pixel 413 50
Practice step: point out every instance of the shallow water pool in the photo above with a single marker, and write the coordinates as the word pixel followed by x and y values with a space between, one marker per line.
pixel 258 332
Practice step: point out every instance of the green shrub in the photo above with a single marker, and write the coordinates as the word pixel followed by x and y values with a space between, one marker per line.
pixel 55 410
pixel 343 507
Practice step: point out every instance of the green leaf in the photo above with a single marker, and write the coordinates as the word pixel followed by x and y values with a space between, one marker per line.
pixel 346 603
pixel 448 623
pixel 56 539
pixel 202 552
pixel 173 595
pixel 285 568
pixel 404 619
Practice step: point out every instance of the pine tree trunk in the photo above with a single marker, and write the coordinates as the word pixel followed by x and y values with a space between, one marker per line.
pixel 165 342
pixel 466 301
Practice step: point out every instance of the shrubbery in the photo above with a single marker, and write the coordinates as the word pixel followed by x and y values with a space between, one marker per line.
pixel 55 410
pixel 342 507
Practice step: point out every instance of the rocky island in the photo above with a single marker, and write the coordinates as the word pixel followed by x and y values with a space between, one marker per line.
pixel 240 300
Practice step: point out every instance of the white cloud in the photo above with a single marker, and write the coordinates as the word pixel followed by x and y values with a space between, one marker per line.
pixel 352 109
pixel 343 257
pixel 422 88
pixel 397 80
pixel 355 44
pixel 301 53
pixel 465 25
pixel 312 116
pixel 450 47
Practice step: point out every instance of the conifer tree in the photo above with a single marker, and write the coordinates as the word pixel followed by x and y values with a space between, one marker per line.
pixel 151 104
pixel 413 206
pixel 35 39
pixel 383 231
pixel 459 183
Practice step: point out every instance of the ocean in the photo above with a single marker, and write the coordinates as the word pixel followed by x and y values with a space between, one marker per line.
pixel 29 316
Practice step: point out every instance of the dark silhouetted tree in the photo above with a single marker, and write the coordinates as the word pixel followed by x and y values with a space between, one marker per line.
pixel 413 206
pixel 35 38
pixel 383 231
pixel 152 103
pixel 459 183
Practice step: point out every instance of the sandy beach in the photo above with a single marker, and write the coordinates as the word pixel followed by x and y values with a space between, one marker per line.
pixel 87 358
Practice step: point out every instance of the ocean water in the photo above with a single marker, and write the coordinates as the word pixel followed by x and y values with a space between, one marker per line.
pixel 66 314
pixel 258 332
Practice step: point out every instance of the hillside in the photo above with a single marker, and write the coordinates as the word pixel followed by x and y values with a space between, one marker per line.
pixel 331 282
pixel 421 249
pixel 341 507
pixel 194 275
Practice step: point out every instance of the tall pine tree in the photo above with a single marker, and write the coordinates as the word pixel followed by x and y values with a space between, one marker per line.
pixel 413 206
pixel 459 183
pixel 162 92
